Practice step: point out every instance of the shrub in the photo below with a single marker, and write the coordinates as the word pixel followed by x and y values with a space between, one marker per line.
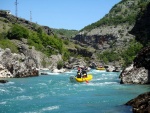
pixel 60 64
pixel 5 43
pixel 18 32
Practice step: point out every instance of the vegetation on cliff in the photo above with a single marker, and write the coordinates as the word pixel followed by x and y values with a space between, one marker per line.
pixel 40 40
pixel 123 12
pixel 125 57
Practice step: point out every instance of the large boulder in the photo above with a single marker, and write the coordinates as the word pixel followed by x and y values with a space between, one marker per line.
pixel 133 75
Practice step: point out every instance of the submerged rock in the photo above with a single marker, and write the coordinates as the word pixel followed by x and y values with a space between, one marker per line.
pixel 3 81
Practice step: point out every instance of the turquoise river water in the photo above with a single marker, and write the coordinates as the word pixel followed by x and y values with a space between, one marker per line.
pixel 54 93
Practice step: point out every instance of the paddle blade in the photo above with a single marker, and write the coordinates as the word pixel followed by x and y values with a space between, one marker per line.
pixel 87 81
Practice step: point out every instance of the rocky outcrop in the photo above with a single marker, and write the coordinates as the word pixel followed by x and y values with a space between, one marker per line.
pixel 140 104
pixel 16 65
pixel 102 41
pixel 133 75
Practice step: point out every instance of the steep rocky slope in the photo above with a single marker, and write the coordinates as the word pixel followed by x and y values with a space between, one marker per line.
pixel 112 31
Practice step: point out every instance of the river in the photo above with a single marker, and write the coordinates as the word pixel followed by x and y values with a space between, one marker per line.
pixel 54 93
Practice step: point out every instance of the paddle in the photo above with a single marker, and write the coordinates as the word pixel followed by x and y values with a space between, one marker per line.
pixel 86 80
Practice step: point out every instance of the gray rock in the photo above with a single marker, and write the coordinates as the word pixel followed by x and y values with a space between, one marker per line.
pixel 133 75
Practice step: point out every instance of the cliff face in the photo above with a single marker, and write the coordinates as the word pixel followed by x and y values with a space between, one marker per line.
pixel 106 37
pixel 97 41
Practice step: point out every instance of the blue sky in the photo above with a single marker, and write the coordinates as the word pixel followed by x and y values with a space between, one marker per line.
pixel 67 14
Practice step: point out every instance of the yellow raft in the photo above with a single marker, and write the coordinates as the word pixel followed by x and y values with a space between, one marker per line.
pixel 82 79
pixel 100 68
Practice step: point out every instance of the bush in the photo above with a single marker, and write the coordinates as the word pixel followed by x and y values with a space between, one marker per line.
pixel 108 56
pixel 66 55
pixel 129 54
pixel 5 43
pixel 60 64
pixel 18 32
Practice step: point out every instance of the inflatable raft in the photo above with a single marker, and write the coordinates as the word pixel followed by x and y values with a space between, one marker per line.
pixel 100 68
pixel 82 79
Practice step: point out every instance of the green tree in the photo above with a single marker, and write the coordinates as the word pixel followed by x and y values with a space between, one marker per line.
pixel 129 54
